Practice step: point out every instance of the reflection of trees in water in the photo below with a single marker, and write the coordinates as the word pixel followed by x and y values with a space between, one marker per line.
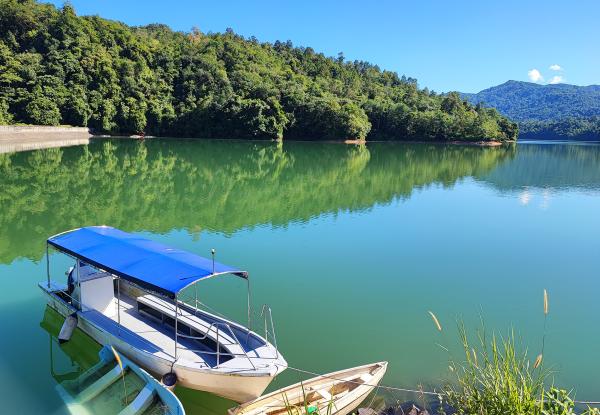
pixel 550 166
pixel 222 186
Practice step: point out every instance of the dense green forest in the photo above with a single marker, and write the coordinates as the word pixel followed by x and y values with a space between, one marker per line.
pixel 526 101
pixel 564 128
pixel 546 111
pixel 58 68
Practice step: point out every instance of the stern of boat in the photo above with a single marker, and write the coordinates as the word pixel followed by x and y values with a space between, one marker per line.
pixel 57 297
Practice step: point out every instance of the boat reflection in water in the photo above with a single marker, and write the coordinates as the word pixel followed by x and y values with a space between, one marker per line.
pixel 91 381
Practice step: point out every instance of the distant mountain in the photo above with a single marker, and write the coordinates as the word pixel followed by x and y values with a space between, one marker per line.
pixel 546 111
pixel 525 101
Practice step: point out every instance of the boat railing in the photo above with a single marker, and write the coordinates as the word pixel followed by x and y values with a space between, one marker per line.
pixel 215 326
pixel 267 315
pixel 54 288
pixel 198 304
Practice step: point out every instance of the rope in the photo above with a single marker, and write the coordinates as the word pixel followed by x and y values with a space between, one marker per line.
pixel 588 402
pixel 391 388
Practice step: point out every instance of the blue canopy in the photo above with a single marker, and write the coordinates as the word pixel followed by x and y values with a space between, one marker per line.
pixel 144 262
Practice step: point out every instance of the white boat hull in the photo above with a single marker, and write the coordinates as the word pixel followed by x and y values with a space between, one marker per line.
pixel 239 387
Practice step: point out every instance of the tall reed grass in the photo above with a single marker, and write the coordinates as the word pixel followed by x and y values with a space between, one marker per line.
pixel 495 378
pixel 498 377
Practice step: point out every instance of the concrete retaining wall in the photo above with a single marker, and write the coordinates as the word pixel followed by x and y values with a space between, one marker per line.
pixel 22 138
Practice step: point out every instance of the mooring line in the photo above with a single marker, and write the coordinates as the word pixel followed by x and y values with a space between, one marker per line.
pixel 588 402
pixel 392 388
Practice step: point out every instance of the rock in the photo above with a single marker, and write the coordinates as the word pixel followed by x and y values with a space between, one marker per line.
pixel 407 408
pixel 412 409
pixel 366 411
pixel 388 411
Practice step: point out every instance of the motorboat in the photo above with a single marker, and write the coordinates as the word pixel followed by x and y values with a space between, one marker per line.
pixel 128 291
pixel 337 393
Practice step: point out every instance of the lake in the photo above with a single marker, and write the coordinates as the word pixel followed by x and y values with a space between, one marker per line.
pixel 350 246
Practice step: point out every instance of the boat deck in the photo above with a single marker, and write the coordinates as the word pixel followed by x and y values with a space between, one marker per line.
pixel 151 336
pixel 145 334
pixel 161 336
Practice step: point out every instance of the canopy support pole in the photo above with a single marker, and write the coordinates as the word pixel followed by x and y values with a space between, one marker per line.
pixel 119 304
pixel 79 303
pixel 47 265
pixel 212 251
pixel 176 313
pixel 249 305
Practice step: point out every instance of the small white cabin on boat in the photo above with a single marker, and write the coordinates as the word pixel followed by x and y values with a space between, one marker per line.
pixel 124 291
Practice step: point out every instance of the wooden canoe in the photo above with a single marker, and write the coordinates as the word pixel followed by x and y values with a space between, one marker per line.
pixel 337 393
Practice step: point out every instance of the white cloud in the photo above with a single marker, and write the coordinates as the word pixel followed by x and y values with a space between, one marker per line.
pixel 556 67
pixel 556 79
pixel 535 75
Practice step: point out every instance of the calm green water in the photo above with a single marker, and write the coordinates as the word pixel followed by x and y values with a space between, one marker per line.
pixel 350 246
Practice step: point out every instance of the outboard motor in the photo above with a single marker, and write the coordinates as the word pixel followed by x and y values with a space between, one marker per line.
pixel 67 329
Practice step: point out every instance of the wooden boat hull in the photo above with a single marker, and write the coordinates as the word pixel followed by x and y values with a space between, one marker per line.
pixel 238 387
pixel 337 404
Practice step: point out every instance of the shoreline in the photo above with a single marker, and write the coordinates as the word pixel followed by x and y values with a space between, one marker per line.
pixel 480 143
pixel 16 138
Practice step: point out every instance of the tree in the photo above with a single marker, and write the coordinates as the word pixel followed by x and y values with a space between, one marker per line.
pixel 354 121
pixel 42 110
pixel 5 116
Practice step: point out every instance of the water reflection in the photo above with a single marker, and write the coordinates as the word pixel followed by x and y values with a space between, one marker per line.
pixel 69 361
pixel 222 186
pixel 554 167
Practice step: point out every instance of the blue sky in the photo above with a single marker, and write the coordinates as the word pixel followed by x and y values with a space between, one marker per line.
pixel 446 44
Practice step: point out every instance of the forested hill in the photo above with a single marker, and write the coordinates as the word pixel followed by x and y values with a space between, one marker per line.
pixel 58 68
pixel 526 101
pixel 546 111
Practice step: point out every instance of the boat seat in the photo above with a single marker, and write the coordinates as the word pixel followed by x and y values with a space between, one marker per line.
pixel 247 342
pixel 101 384
pixel 186 318
pixel 366 377
pixel 324 394
pixel 141 402
pixel 191 325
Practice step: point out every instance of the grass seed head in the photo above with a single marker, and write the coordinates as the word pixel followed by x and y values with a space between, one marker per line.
pixel 436 321
pixel 538 361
